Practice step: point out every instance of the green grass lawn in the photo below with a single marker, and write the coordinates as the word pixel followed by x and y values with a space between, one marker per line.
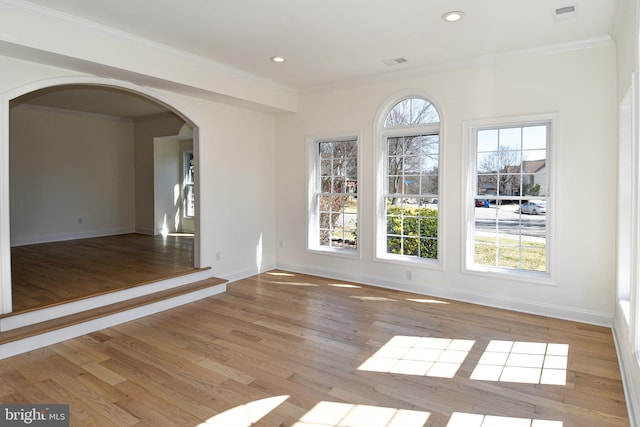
pixel 509 254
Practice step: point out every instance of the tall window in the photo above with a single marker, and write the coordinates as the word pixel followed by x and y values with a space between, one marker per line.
pixel 408 220
pixel 333 218
pixel 509 196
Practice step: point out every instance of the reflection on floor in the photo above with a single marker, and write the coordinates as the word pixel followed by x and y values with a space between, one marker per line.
pixel 287 349
pixel 50 273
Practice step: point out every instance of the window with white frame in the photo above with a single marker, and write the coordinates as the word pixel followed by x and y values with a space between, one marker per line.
pixel 408 219
pixel 508 196
pixel 188 187
pixel 624 269
pixel 333 216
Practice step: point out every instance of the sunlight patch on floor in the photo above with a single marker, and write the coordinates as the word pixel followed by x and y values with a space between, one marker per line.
pixel 523 362
pixel 245 415
pixel 334 414
pixel 424 356
pixel 344 285
pixel 279 273
pixel 461 419
pixel 368 298
pixel 427 301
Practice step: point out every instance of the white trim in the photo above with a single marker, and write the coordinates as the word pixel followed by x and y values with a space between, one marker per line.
pixel 6 305
pixel 468 209
pixel 629 368
pixel 5 98
pixel 627 208
pixel 311 144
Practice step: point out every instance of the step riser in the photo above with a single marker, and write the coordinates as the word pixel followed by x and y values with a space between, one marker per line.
pixel 20 320
pixel 42 340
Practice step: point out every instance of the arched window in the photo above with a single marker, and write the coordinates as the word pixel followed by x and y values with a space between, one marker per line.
pixel 408 185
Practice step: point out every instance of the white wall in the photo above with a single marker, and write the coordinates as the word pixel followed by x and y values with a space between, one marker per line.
pixel 236 171
pixel 627 327
pixel 145 130
pixel 579 86
pixel 72 175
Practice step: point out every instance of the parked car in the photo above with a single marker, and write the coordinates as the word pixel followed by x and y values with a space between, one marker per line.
pixel 534 207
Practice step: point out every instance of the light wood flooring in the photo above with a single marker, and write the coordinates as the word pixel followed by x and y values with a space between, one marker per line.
pixel 284 349
pixel 51 273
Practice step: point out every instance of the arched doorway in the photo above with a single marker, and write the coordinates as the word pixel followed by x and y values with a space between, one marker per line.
pixel 109 193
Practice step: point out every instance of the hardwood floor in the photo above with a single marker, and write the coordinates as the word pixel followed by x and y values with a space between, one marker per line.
pixel 283 349
pixel 50 273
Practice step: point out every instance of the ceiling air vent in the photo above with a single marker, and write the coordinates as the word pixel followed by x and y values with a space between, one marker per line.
pixel 394 61
pixel 565 12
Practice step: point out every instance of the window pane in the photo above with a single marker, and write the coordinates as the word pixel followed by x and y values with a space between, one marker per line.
pixel 429 185
pixel 325 184
pixel 339 184
pixel 487 185
pixel 487 162
pixel 487 140
pixel 411 112
pixel 412 184
pixel 509 161
pixel 509 185
pixel 510 139
pixel 534 137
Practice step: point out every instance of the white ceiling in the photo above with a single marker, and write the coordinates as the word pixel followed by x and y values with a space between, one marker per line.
pixel 336 41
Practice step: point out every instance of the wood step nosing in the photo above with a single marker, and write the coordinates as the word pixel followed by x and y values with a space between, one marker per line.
pixel 108 310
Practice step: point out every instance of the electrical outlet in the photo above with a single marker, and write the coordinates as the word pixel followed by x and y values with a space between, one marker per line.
pixel 218 256
pixel 409 275
pixel 80 221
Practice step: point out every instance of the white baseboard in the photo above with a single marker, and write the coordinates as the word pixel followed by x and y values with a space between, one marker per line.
pixel 629 369
pixel 490 300
pixel 32 240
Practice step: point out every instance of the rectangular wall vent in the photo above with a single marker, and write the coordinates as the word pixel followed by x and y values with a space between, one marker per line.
pixel 394 61
pixel 567 11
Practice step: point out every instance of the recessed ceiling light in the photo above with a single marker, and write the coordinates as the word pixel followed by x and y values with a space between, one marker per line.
pixel 278 59
pixel 453 16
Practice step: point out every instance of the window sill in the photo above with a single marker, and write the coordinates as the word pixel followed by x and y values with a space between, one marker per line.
pixel 533 277
pixel 343 253
pixel 434 264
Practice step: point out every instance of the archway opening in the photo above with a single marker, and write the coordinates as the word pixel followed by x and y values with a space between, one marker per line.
pixel 88 181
